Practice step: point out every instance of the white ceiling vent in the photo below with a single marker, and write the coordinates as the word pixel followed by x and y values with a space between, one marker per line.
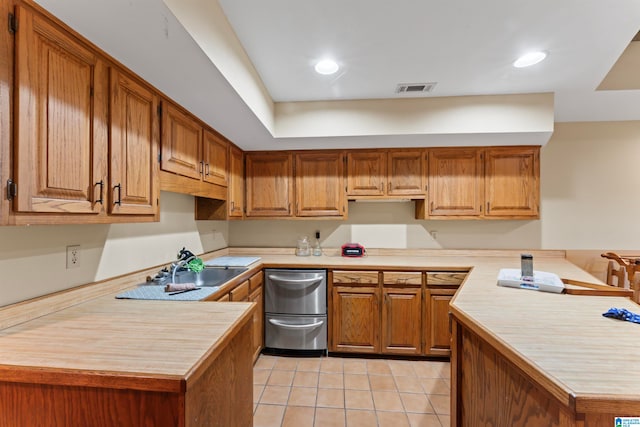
pixel 415 87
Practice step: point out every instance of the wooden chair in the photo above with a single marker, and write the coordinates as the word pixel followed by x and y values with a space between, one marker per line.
pixel 616 275
pixel 635 287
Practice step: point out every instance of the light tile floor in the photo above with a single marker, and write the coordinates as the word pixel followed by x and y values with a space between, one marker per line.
pixel 348 392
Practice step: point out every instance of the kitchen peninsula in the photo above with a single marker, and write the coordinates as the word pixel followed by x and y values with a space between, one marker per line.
pixel 519 357
pixel 109 362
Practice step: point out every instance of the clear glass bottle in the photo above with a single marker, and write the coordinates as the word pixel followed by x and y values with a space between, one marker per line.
pixel 317 249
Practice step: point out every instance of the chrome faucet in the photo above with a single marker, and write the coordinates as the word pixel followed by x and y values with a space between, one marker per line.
pixel 177 265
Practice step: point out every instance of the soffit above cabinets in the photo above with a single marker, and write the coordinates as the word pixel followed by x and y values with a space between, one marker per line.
pixel 227 61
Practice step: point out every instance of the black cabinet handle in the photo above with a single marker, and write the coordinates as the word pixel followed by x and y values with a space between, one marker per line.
pixel 119 201
pixel 206 169
pixel 101 184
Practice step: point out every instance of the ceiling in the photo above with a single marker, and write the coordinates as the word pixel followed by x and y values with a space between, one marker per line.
pixel 202 53
pixel 466 46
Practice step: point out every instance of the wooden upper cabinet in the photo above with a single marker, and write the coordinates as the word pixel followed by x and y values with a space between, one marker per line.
pixel 133 147
pixel 60 123
pixel 269 185
pixel 455 182
pixel 406 172
pixel 214 155
pixel 386 173
pixel 366 172
pixel 320 184
pixel 181 142
pixel 512 181
pixel 192 150
pixel 235 197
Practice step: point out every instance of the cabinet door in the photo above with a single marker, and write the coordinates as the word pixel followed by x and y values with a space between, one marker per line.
pixel 235 192
pixel 512 181
pixel 402 320
pixel 258 321
pixel 269 184
pixel 355 316
pixel 436 321
pixel 56 155
pixel 406 173
pixel 366 173
pixel 320 184
pixel 181 143
pixel 214 155
pixel 455 182
pixel 134 147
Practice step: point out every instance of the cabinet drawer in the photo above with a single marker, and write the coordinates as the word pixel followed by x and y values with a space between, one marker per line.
pixel 223 298
pixel 355 277
pixel 256 281
pixel 413 278
pixel 445 278
pixel 240 292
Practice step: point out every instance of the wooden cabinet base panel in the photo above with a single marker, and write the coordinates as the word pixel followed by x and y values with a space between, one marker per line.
pixel 181 184
pixel 508 397
pixel 511 397
pixel 421 212
pixel 50 219
pixel 211 209
pixel 57 406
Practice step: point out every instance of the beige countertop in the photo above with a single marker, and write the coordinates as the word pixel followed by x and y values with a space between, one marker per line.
pixel 562 338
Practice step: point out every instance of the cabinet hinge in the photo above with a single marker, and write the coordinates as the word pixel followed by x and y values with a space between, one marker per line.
pixel 159 110
pixel 91 91
pixel 159 157
pixel 12 189
pixel 13 23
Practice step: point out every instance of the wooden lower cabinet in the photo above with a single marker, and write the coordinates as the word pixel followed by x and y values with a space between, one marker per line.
pixel 355 319
pixel 436 320
pixel 392 312
pixel 251 290
pixel 402 320
pixel 257 296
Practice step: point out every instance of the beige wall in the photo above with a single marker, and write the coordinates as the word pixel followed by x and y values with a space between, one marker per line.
pixel 33 259
pixel 589 177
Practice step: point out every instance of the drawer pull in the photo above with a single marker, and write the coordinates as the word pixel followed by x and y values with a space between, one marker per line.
pixel 290 326
pixel 119 200
pixel 295 281
pixel 101 184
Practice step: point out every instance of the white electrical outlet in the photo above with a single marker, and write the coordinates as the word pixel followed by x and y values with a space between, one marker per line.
pixel 73 256
pixel 434 234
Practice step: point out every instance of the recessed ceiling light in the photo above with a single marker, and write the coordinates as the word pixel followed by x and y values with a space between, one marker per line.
pixel 326 66
pixel 529 59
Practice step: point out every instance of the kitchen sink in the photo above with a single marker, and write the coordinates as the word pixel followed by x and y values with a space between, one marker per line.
pixel 210 276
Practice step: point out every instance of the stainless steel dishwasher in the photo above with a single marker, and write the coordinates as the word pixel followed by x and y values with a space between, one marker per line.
pixel 295 309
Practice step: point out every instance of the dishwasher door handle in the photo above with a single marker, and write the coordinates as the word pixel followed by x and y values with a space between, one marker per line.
pixel 294 280
pixel 291 326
